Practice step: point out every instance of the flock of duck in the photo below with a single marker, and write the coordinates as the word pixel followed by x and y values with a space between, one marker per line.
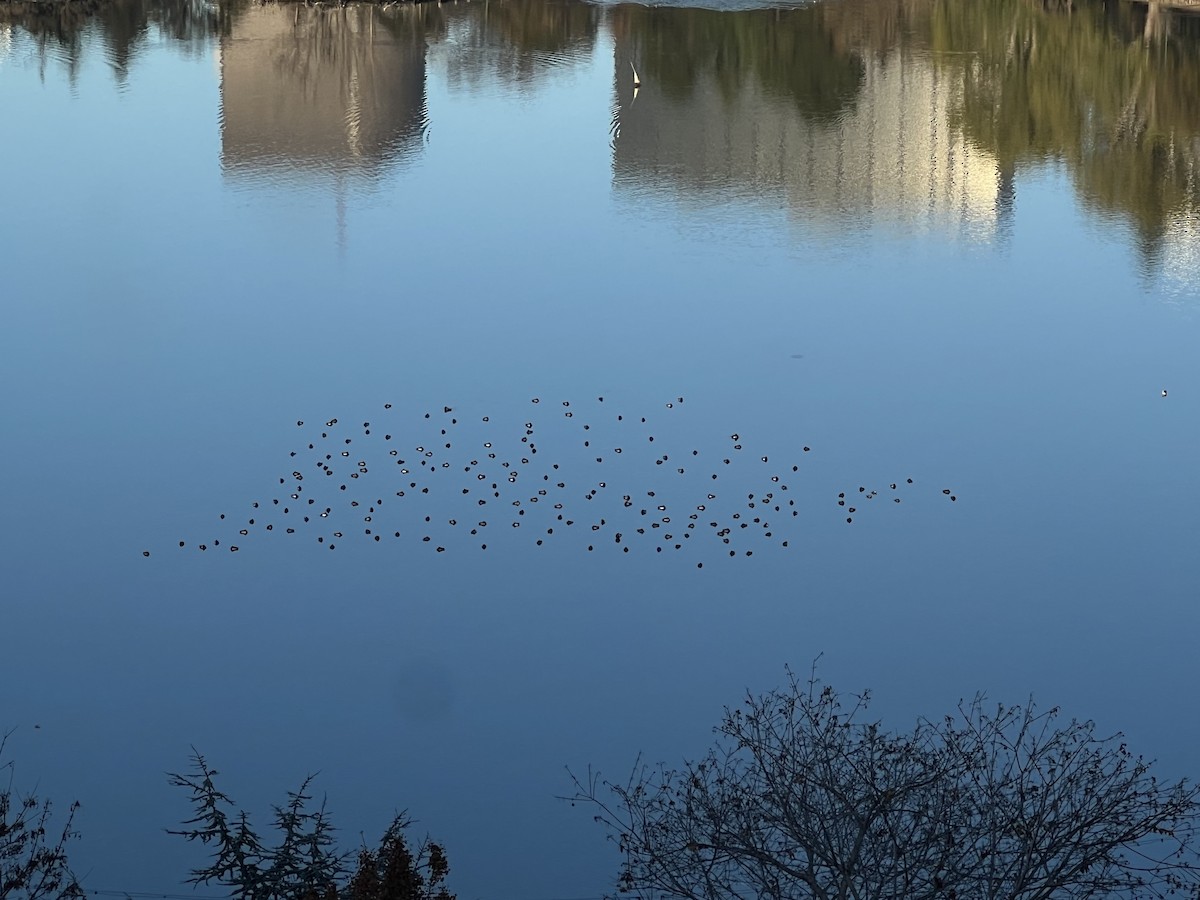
pixel 585 474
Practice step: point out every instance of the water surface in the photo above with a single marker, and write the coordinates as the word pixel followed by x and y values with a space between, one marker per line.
pixel 936 240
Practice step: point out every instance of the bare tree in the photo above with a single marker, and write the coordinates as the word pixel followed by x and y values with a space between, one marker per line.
pixel 33 859
pixel 802 797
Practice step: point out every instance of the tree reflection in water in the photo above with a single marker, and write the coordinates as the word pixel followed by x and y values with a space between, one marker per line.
pixel 1109 91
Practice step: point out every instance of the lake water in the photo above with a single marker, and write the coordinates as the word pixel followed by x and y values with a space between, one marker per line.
pixel 875 240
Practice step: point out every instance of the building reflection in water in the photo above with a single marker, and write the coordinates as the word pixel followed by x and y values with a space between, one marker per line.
pixel 914 114
pixel 310 91
pixel 323 97
pixel 313 92
pixel 838 139
pixel 919 114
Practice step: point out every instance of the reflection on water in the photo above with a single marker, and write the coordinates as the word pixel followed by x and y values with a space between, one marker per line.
pixel 1108 89
pixel 322 90
pixel 58 31
pixel 776 108
pixel 519 42
pixel 918 112
pixel 127 27
pixel 921 113
pixel 172 293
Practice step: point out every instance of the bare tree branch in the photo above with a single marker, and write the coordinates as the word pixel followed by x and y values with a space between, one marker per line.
pixel 802 797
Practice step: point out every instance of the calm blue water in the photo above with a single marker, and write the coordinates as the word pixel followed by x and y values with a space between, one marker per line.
pixel 818 227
